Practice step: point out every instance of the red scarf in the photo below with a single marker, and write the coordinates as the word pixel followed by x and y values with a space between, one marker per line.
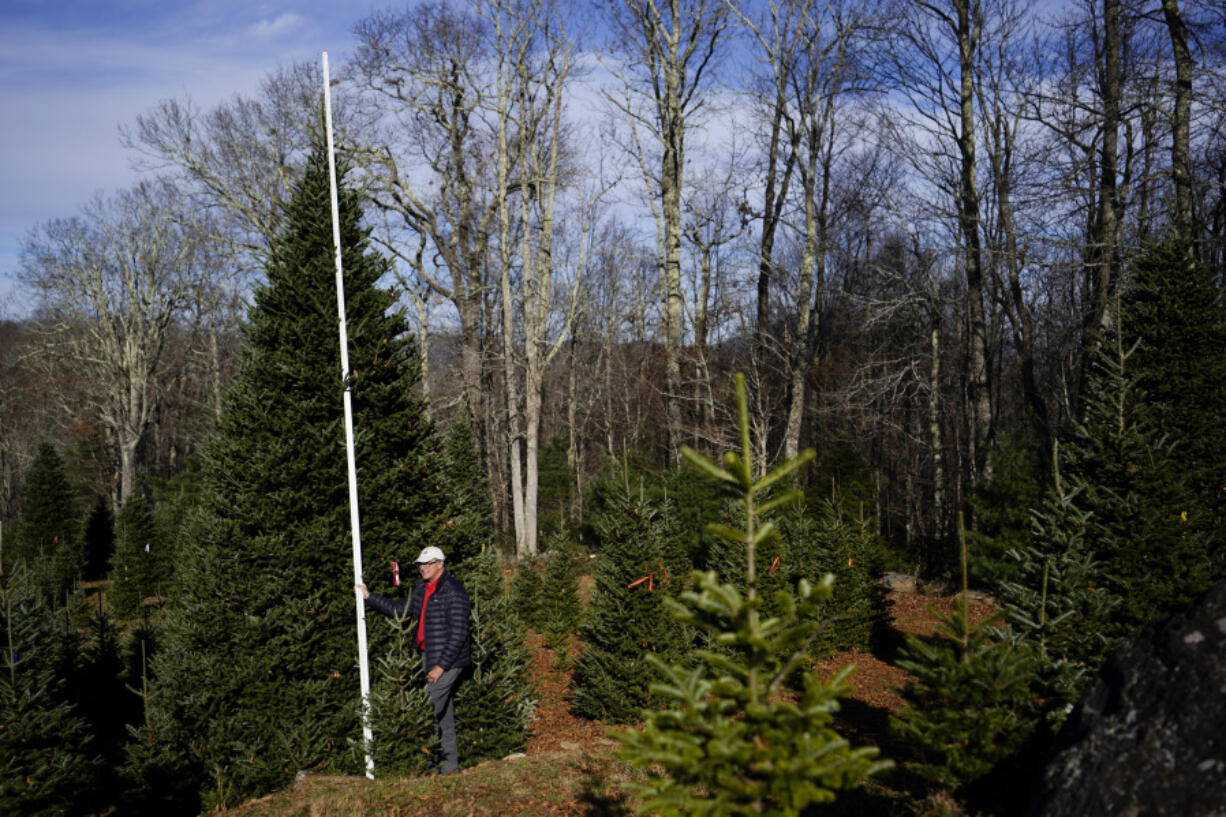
pixel 421 621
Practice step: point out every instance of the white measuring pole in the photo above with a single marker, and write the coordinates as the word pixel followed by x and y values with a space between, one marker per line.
pixel 363 663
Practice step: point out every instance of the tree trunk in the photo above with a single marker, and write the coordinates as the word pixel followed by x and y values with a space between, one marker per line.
pixel 1101 270
pixel 1181 122
pixel 969 25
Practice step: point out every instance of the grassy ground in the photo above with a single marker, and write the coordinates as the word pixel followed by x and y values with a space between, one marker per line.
pixel 557 783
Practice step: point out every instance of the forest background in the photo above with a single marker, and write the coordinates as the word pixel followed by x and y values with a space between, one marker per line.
pixel 914 226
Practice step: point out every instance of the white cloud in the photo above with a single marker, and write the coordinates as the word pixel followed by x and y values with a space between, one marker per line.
pixel 277 26
pixel 68 88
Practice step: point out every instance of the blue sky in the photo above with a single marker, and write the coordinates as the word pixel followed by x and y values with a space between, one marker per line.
pixel 73 71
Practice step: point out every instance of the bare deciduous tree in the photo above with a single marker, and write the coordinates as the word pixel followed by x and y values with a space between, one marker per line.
pixel 667 50
pixel 111 284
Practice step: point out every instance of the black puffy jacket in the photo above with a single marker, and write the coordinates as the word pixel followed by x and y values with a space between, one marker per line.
pixel 446 620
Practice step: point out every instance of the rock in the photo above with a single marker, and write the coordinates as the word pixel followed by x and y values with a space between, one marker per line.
pixel 981 597
pixel 1148 738
pixel 569 746
pixel 899 582
pixel 515 756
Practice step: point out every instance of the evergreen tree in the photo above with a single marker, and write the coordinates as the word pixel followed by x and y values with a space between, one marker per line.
pixel 469 526
pixel 556 488
pixel 1173 322
pixel 47 765
pixel 1132 481
pixel 104 701
pixel 158 774
pixel 136 569
pixel 401 716
pixel 777 562
pixel 99 540
pixel 846 547
pixel 1060 603
pixel 560 608
pixel 640 566
pixel 972 704
pixel 727 742
pixel 495 701
pixel 1002 509
pixel 255 678
pixel 527 592
pixel 48 535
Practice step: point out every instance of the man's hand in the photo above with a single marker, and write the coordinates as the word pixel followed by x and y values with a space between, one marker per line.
pixel 361 588
pixel 433 675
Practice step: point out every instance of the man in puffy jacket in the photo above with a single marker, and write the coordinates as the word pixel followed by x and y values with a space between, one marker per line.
pixel 440 605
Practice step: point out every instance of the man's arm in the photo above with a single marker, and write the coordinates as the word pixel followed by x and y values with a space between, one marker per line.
pixel 392 608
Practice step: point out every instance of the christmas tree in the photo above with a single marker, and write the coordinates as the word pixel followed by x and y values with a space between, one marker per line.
pixel 48 535
pixel 48 764
pixel 560 609
pixel 256 677
pixel 469 526
pixel 1173 326
pixel 1060 603
pixel 104 700
pixel 845 546
pixel 99 540
pixel 495 701
pixel 972 703
pixel 1134 483
pixel 401 718
pixel 136 569
pixel 640 565
pixel 527 592
pixel 727 742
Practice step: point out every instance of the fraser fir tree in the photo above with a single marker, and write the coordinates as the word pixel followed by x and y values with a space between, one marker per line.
pixel 1173 324
pixel 256 677
pixel 1060 604
pixel 560 609
pixel 104 700
pixel 726 742
pixel 99 540
pixel 778 563
pixel 640 565
pixel 468 529
pixel 48 535
pixel 401 718
pixel 136 569
pixel 1132 481
pixel 972 703
pixel 527 589
pixel 1002 508
pixel 48 762
pixel 495 702
pixel 845 546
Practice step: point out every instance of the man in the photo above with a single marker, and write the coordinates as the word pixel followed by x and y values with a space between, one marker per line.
pixel 440 605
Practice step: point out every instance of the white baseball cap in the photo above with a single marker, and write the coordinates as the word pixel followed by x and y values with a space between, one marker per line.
pixel 431 554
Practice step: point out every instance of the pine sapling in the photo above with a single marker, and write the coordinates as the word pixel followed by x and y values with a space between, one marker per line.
pixel 971 704
pixel 727 741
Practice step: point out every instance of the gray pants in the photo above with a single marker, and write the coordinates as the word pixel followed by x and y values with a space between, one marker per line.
pixel 442 696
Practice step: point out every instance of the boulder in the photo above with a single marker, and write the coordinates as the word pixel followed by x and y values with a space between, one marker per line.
pixel 899 582
pixel 1148 738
